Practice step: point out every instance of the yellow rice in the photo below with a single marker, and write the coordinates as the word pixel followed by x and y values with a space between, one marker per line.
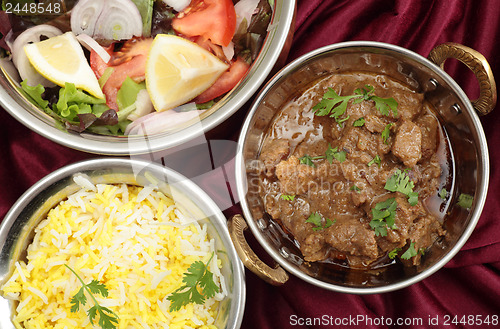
pixel 135 240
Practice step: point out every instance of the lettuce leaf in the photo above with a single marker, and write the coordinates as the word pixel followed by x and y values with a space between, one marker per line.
pixel 35 94
pixel 127 95
pixel 146 9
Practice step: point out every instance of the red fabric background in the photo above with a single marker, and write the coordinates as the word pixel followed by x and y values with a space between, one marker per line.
pixel 467 286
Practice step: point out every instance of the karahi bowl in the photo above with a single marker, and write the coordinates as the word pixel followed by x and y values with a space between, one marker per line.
pixel 272 55
pixel 456 113
pixel 17 228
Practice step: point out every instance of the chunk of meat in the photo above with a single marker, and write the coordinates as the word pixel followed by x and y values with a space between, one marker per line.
pixel 352 237
pixel 273 152
pixel 428 125
pixel 408 143
pixel 294 177
pixel 375 124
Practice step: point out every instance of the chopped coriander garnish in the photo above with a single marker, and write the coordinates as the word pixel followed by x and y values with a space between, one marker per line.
pixel 410 252
pixel 287 197
pixel 384 214
pixel 330 154
pixel 355 188
pixel 316 220
pixel 107 318
pixel 413 198
pixel 381 104
pixel 386 132
pixel 340 121
pixel 400 182
pixel 394 252
pixel 376 160
pixel 443 194
pixel 359 122
pixel 465 200
pixel 334 153
pixel 307 159
pixel 334 105
pixel 198 286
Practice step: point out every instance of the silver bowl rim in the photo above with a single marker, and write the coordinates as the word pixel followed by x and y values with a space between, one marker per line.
pixel 275 42
pixel 480 196
pixel 186 186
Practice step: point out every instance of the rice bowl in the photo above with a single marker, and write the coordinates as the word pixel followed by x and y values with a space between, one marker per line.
pixel 136 240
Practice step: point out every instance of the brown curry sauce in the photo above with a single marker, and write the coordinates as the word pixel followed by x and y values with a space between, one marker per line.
pixel 344 193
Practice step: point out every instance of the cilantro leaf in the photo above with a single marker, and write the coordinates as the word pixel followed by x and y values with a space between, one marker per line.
pixel 413 198
pixel 287 197
pixel 98 288
pixel 316 220
pixel 329 222
pixel 376 160
pixel 197 276
pixel 443 194
pixel 307 159
pixel 399 182
pixel 355 188
pixel 77 299
pixel 465 200
pixel 379 227
pixel 386 132
pixel 359 122
pixel 385 104
pixel 383 216
pixel 208 285
pixel 332 104
pixel 107 318
pixel 394 252
pixel 410 252
pixel 334 153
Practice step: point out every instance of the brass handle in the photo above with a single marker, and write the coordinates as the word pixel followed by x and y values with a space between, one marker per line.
pixel 275 276
pixel 478 64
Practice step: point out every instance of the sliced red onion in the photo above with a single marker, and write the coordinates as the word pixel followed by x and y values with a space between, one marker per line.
pixel 157 122
pixel 178 5
pixel 244 10
pixel 90 44
pixel 110 19
pixel 143 106
pixel 26 70
pixel 229 51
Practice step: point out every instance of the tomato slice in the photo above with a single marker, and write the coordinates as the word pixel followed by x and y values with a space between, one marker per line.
pixel 212 19
pixel 227 81
pixel 129 61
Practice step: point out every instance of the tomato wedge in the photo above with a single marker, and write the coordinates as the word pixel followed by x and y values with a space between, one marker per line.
pixel 227 81
pixel 212 19
pixel 129 61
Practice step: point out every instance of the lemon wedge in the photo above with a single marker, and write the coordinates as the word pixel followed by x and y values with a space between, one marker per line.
pixel 61 59
pixel 178 70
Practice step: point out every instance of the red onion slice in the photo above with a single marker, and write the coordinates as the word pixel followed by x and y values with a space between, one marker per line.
pixel 244 10
pixel 26 70
pixel 110 19
pixel 90 44
pixel 178 5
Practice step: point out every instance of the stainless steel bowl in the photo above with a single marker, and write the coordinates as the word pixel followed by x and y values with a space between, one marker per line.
pixel 273 53
pixel 456 113
pixel 16 230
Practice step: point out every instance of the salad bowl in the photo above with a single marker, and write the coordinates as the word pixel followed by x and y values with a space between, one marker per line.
pixel 272 54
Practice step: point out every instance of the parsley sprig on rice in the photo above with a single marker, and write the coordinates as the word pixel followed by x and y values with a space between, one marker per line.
pixel 135 240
